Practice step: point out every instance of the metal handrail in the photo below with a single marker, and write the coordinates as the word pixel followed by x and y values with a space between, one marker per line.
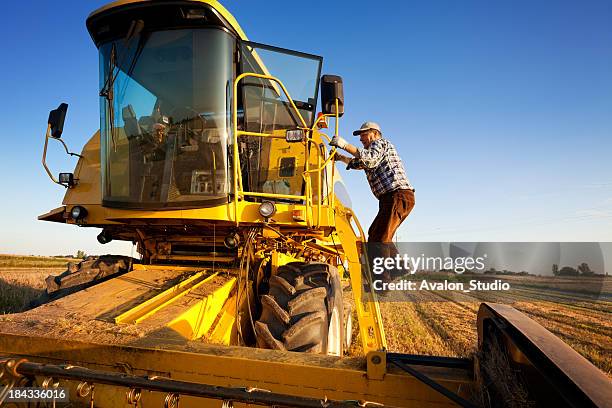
pixel 307 197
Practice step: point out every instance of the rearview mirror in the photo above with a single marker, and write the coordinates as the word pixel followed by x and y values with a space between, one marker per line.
pixel 332 89
pixel 56 120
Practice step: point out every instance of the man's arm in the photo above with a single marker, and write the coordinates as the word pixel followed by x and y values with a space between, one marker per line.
pixel 372 156
pixel 342 158
pixel 368 158
pixel 344 145
pixel 352 150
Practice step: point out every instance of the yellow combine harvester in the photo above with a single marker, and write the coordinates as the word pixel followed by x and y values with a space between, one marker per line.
pixel 211 160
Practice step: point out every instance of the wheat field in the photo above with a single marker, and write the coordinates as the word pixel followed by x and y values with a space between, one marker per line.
pixel 431 323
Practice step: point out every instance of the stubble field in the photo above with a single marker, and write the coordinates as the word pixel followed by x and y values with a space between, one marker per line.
pixel 433 323
pixel 444 322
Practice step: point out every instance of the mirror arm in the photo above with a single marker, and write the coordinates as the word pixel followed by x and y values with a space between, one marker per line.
pixel 337 116
pixel 68 152
pixel 44 158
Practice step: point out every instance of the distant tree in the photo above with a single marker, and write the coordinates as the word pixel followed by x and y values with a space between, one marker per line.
pixel 568 271
pixel 555 269
pixel 585 269
pixel 80 254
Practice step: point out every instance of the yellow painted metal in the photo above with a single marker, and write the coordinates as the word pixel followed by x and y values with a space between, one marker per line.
pixel 283 372
pixel 272 195
pixel 308 199
pixel 54 214
pixel 319 189
pixel 317 213
pixel 198 319
pixel 376 365
pixel 87 171
pixel 238 190
pixel 141 267
pixel 88 194
pixel 279 259
pixel 321 167
pixel 99 216
pixel 200 258
pixel 156 303
pixel 224 331
pixel 245 133
pixel 366 303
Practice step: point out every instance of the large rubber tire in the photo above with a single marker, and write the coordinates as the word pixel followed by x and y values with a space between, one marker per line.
pixel 302 310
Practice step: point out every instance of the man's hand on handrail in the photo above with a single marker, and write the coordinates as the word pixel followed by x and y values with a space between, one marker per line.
pixel 342 158
pixel 340 143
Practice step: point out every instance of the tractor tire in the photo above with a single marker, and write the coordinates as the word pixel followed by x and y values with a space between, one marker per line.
pixel 303 310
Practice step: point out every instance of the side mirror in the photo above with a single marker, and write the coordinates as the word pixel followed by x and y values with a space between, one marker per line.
pixel 56 120
pixel 332 89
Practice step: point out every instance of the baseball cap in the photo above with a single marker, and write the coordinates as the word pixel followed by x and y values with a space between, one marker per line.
pixel 367 126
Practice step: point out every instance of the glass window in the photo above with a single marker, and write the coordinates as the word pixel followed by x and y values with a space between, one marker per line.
pixel 166 118
pixel 266 109
pixel 287 167
pixel 266 106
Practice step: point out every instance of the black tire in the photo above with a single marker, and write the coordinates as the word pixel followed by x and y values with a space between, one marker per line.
pixel 302 310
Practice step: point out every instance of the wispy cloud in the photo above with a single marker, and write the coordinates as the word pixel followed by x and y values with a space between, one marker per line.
pixel 607 184
pixel 594 213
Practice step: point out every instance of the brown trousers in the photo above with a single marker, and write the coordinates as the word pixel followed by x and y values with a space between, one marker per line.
pixel 393 208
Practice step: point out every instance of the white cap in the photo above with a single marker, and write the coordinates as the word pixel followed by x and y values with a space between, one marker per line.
pixel 367 126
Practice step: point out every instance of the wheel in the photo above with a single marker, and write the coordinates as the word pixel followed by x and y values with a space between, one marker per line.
pixel 303 310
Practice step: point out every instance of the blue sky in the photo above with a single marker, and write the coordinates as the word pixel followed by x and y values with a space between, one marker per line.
pixel 502 111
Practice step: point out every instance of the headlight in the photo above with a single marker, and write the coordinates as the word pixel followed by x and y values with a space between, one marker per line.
pixel 232 241
pixel 78 212
pixel 267 209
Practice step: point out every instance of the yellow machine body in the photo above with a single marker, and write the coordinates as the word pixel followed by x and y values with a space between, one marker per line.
pixel 176 323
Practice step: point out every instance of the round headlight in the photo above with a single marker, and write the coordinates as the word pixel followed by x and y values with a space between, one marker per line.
pixel 78 212
pixel 267 209
pixel 232 241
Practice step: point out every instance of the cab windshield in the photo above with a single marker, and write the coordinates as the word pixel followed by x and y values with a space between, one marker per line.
pixel 166 100
pixel 165 118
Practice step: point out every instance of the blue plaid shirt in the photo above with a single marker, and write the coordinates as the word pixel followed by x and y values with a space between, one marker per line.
pixel 383 167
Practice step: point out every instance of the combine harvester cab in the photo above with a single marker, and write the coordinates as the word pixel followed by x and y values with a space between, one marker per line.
pixel 210 159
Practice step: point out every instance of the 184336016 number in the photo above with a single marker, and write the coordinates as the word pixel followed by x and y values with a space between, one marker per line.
pixel 34 394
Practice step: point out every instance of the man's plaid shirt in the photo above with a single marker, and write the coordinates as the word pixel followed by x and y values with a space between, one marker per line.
pixel 383 167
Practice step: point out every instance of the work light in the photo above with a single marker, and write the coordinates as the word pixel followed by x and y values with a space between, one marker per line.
pixel 232 240
pixel 293 136
pixel 66 179
pixel 104 237
pixel 78 212
pixel 267 209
